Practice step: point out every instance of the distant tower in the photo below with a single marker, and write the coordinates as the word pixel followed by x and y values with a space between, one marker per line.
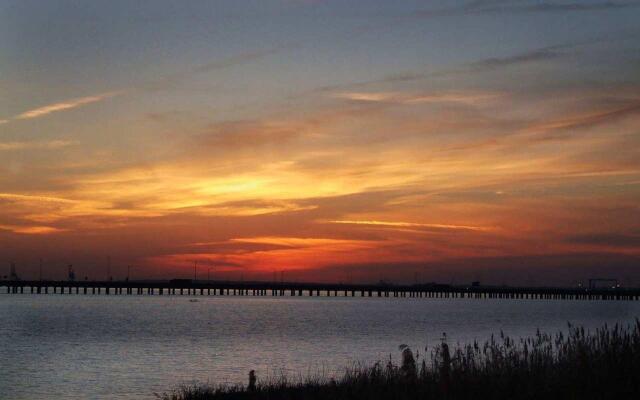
pixel 13 275
pixel 109 277
pixel 72 273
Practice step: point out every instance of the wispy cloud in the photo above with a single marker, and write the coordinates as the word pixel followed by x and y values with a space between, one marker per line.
pixel 416 98
pixel 215 65
pixel 46 145
pixel 508 7
pixel 36 198
pixel 170 80
pixel 65 105
pixel 300 242
pixel 31 230
pixel 409 225
pixel 547 7
pixel 631 239
pixel 542 54
pixel 582 121
pixel 244 134
pixel 236 60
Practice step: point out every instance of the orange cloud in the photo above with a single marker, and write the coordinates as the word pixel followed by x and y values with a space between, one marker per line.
pixel 357 182
pixel 31 230
pixel 410 224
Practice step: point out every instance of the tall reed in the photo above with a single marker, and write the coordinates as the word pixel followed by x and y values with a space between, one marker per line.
pixel 577 364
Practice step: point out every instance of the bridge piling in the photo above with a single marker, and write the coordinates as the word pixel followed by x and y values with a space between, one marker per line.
pixel 319 290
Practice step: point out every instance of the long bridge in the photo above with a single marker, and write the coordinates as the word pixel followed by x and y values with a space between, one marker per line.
pixel 228 288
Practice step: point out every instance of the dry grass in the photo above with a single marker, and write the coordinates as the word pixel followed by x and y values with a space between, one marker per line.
pixel 604 364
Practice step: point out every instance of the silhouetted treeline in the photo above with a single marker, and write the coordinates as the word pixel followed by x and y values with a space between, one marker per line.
pixel 604 364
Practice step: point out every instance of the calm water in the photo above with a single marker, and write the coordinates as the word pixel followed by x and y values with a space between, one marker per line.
pixel 98 347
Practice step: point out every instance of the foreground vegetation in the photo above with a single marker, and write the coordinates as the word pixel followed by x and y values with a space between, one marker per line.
pixel 604 364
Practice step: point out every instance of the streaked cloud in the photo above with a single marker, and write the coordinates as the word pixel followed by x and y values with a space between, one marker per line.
pixel 588 119
pixel 236 60
pixel 626 240
pixel 47 145
pixel 542 54
pixel 37 198
pixel 417 98
pixel 558 7
pixel 31 230
pixel 536 55
pixel 523 7
pixel 167 81
pixel 410 225
pixel 301 242
pixel 65 105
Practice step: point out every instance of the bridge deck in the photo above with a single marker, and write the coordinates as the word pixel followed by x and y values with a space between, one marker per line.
pixel 219 288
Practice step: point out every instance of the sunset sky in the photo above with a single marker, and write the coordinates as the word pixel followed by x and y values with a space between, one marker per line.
pixel 336 140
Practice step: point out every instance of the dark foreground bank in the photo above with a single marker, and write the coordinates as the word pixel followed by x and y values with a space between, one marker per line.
pixel 604 364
